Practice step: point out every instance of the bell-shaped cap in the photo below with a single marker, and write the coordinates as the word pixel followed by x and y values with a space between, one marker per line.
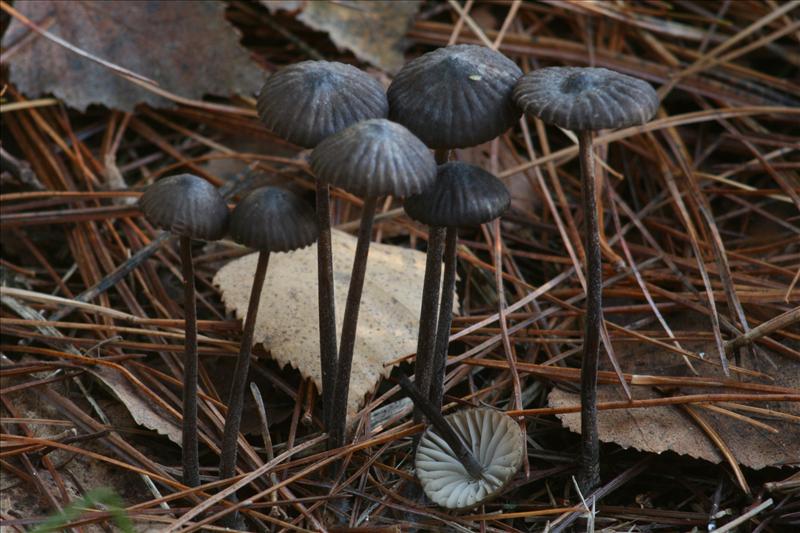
pixel 375 158
pixel 463 195
pixel 498 445
pixel 311 100
pixel 456 96
pixel 577 98
pixel 186 205
pixel 273 220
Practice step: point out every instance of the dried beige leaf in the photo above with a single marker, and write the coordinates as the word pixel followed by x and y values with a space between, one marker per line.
pixel 287 322
pixel 660 429
pixel 158 39
pixel 142 409
pixel 374 30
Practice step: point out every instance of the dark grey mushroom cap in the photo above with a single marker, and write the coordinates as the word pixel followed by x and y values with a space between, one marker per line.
pixel 273 220
pixel 186 205
pixel 578 98
pixel 463 195
pixel 456 96
pixel 375 158
pixel 311 100
pixel 497 443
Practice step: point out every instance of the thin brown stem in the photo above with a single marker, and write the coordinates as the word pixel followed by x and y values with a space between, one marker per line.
pixel 590 444
pixel 436 392
pixel 349 325
pixel 326 303
pixel 233 419
pixel 191 462
pixel 428 315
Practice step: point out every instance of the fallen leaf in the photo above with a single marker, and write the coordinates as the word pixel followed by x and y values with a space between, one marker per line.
pixel 287 322
pixel 142 409
pixel 660 429
pixel 374 30
pixel 187 48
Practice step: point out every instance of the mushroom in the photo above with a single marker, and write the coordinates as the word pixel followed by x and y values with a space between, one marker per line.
pixel 452 97
pixel 304 103
pixel 585 100
pixel 463 195
pixel 191 208
pixel 268 220
pixel 497 443
pixel 370 159
pixel 455 97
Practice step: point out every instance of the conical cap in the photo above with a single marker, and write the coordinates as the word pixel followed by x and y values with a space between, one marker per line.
pixel 463 195
pixel 311 100
pixel 456 96
pixel 273 220
pixel 577 98
pixel 186 205
pixel 375 158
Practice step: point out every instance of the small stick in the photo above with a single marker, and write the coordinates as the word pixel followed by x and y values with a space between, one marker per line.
pixel 443 428
pixel 779 322
pixel 267 438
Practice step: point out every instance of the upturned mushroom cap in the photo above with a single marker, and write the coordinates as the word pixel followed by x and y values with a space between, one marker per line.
pixel 273 220
pixel 578 98
pixel 456 96
pixel 375 158
pixel 311 100
pixel 463 195
pixel 497 443
pixel 186 205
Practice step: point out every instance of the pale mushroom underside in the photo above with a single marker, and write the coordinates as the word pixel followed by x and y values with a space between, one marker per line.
pixel 497 443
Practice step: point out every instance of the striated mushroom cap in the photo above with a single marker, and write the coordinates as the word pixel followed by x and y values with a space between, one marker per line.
pixel 456 96
pixel 375 158
pixel 463 195
pixel 497 443
pixel 273 220
pixel 578 98
pixel 311 100
pixel 186 205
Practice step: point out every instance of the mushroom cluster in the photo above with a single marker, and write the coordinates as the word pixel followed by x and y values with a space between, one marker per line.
pixel 398 143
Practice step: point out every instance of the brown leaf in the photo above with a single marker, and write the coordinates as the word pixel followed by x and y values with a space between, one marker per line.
pixel 287 322
pixel 374 30
pixel 660 429
pixel 142 409
pixel 187 48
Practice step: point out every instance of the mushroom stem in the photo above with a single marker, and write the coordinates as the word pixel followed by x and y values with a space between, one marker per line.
pixel 443 428
pixel 191 462
pixel 349 324
pixel 442 155
pixel 428 315
pixel 590 445
pixel 436 392
pixel 233 419
pixel 326 303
